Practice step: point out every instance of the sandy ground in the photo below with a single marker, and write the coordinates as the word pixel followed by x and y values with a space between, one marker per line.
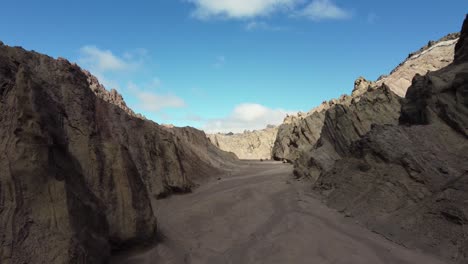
pixel 260 214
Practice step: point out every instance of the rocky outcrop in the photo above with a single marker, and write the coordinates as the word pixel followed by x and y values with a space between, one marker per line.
pixel 434 56
pixel 343 124
pixel 409 181
pixel 255 144
pixel 299 133
pixel 77 172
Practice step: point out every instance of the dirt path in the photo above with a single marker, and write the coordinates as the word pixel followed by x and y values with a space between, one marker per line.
pixel 261 215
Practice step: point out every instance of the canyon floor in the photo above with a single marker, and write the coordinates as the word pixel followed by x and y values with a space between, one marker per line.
pixel 261 214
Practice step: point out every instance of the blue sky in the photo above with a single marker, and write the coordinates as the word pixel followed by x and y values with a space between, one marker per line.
pixel 229 65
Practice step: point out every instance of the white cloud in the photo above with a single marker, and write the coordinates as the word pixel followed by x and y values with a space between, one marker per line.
pixel 238 9
pixel 155 102
pixel 247 116
pixel 260 25
pixel 106 66
pixel 324 10
pixel 103 63
pixel 100 61
pixel 108 83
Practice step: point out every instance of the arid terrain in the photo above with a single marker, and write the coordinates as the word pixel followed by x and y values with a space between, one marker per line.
pixel 260 214
pixel 377 176
pixel 256 144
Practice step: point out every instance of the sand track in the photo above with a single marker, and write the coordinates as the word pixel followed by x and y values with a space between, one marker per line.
pixel 260 214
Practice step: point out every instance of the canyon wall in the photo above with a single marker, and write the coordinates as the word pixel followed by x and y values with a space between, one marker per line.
pixel 77 171
pixel 255 144
pixel 301 132
pixel 406 179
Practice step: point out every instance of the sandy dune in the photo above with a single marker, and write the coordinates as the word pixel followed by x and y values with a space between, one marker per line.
pixel 260 214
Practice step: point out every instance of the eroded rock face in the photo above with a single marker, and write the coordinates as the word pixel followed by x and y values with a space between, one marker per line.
pixel 434 56
pixel 409 181
pixel 111 96
pixel 77 172
pixel 255 144
pixel 300 133
pixel 344 124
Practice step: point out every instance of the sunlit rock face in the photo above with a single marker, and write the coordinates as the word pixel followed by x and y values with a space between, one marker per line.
pixel 432 57
pixel 255 144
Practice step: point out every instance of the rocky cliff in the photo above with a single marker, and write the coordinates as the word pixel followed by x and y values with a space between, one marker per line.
pixel 409 180
pixel 299 133
pixel 434 56
pixel 343 124
pixel 111 96
pixel 77 171
pixel 255 144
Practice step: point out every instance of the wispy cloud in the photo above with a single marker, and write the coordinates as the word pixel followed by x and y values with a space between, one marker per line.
pixel 260 25
pixel 220 62
pixel 149 100
pixel 238 9
pixel 101 60
pixel 372 18
pixel 104 63
pixel 108 83
pixel 108 68
pixel 153 102
pixel 324 10
pixel 316 10
pixel 192 117
pixel 247 116
pixel 155 83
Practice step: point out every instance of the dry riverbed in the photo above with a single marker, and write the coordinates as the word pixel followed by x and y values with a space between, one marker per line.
pixel 260 214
